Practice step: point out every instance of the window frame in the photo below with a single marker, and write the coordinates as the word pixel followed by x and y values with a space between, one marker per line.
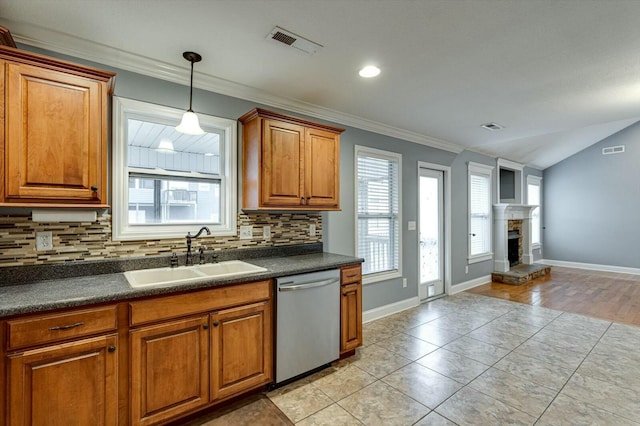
pixel 536 181
pixel 390 156
pixel 487 171
pixel 123 109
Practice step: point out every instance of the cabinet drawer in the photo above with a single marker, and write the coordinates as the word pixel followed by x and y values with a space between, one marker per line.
pixel 351 274
pixel 197 302
pixel 43 329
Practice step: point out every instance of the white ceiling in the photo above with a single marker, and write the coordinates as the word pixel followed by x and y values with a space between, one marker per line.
pixel 560 75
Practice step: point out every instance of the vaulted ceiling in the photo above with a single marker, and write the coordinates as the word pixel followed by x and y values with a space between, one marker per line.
pixel 559 75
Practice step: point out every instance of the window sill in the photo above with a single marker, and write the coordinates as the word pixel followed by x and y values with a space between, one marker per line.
pixel 536 246
pixel 380 276
pixel 479 258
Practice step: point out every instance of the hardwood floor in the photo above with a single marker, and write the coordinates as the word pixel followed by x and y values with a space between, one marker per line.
pixel 605 295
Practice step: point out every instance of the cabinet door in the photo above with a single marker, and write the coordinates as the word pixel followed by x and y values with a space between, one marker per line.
pixel 54 128
pixel 282 164
pixel 351 317
pixel 169 369
pixel 69 384
pixel 241 348
pixel 322 169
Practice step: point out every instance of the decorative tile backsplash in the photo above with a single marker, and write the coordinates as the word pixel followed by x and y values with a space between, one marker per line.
pixel 92 240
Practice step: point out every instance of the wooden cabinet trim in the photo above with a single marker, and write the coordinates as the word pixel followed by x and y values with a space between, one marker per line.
pixel 22 56
pixel 175 306
pixel 259 112
pixel 43 329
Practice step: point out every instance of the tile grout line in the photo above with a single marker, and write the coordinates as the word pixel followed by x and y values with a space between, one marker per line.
pixel 573 373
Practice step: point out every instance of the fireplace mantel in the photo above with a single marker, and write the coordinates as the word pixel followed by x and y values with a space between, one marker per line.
pixel 512 211
pixel 502 214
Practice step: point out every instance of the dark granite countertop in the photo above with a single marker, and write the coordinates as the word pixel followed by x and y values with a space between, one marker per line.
pixel 67 292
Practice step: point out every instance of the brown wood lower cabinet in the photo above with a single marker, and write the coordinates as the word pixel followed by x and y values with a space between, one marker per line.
pixel 65 384
pixel 350 309
pixel 351 324
pixel 241 348
pixel 174 364
pixel 179 365
pixel 148 361
pixel 169 369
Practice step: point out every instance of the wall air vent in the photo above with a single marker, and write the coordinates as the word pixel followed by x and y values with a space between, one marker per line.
pixel 492 126
pixel 613 150
pixel 290 39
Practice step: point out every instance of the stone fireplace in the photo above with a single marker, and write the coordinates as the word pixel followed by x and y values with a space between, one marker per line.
pixel 512 218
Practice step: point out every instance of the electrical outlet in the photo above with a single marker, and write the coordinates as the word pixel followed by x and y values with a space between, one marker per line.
pixel 466 269
pixel 312 230
pixel 411 225
pixel 404 283
pixel 266 232
pixel 246 232
pixel 44 241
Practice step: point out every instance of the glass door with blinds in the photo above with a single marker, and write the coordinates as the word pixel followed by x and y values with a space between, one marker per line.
pixel 431 233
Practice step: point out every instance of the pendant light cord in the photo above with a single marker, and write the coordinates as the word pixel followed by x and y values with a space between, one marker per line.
pixel 191 88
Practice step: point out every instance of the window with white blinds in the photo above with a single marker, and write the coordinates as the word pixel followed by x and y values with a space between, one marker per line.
pixel 378 211
pixel 534 184
pixel 480 231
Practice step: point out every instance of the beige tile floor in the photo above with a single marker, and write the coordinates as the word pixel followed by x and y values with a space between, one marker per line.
pixel 474 360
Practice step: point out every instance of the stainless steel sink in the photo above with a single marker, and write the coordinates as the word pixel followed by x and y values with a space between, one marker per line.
pixel 189 274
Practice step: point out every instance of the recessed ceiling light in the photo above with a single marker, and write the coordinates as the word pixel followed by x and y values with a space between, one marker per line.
pixel 209 154
pixel 369 71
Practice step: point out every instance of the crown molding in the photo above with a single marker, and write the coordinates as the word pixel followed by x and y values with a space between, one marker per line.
pixel 81 48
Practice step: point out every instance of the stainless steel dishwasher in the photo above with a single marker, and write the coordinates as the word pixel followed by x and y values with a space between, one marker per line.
pixel 307 322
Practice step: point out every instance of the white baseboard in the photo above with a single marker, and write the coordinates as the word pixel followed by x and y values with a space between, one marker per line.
pixel 469 284
pixel 392 308
pixel 590 266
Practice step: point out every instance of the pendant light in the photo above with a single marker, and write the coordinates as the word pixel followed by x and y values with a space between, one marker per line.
pixel 166 146
pixel 190 124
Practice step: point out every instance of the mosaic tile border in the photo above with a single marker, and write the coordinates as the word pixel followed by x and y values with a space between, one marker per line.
pixel 83 241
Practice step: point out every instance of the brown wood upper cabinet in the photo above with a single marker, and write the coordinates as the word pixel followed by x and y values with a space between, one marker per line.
pixel 54 139
pixel 289 163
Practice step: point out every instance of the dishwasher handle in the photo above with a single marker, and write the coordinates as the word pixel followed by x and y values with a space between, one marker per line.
pixel 286 286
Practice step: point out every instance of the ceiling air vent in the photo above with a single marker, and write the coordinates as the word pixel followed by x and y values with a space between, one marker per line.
pixel 613 150
pixel 492 126
pixel 293 40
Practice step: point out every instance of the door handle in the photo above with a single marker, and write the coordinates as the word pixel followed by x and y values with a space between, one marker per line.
pixel 306 285
pixel 66 327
